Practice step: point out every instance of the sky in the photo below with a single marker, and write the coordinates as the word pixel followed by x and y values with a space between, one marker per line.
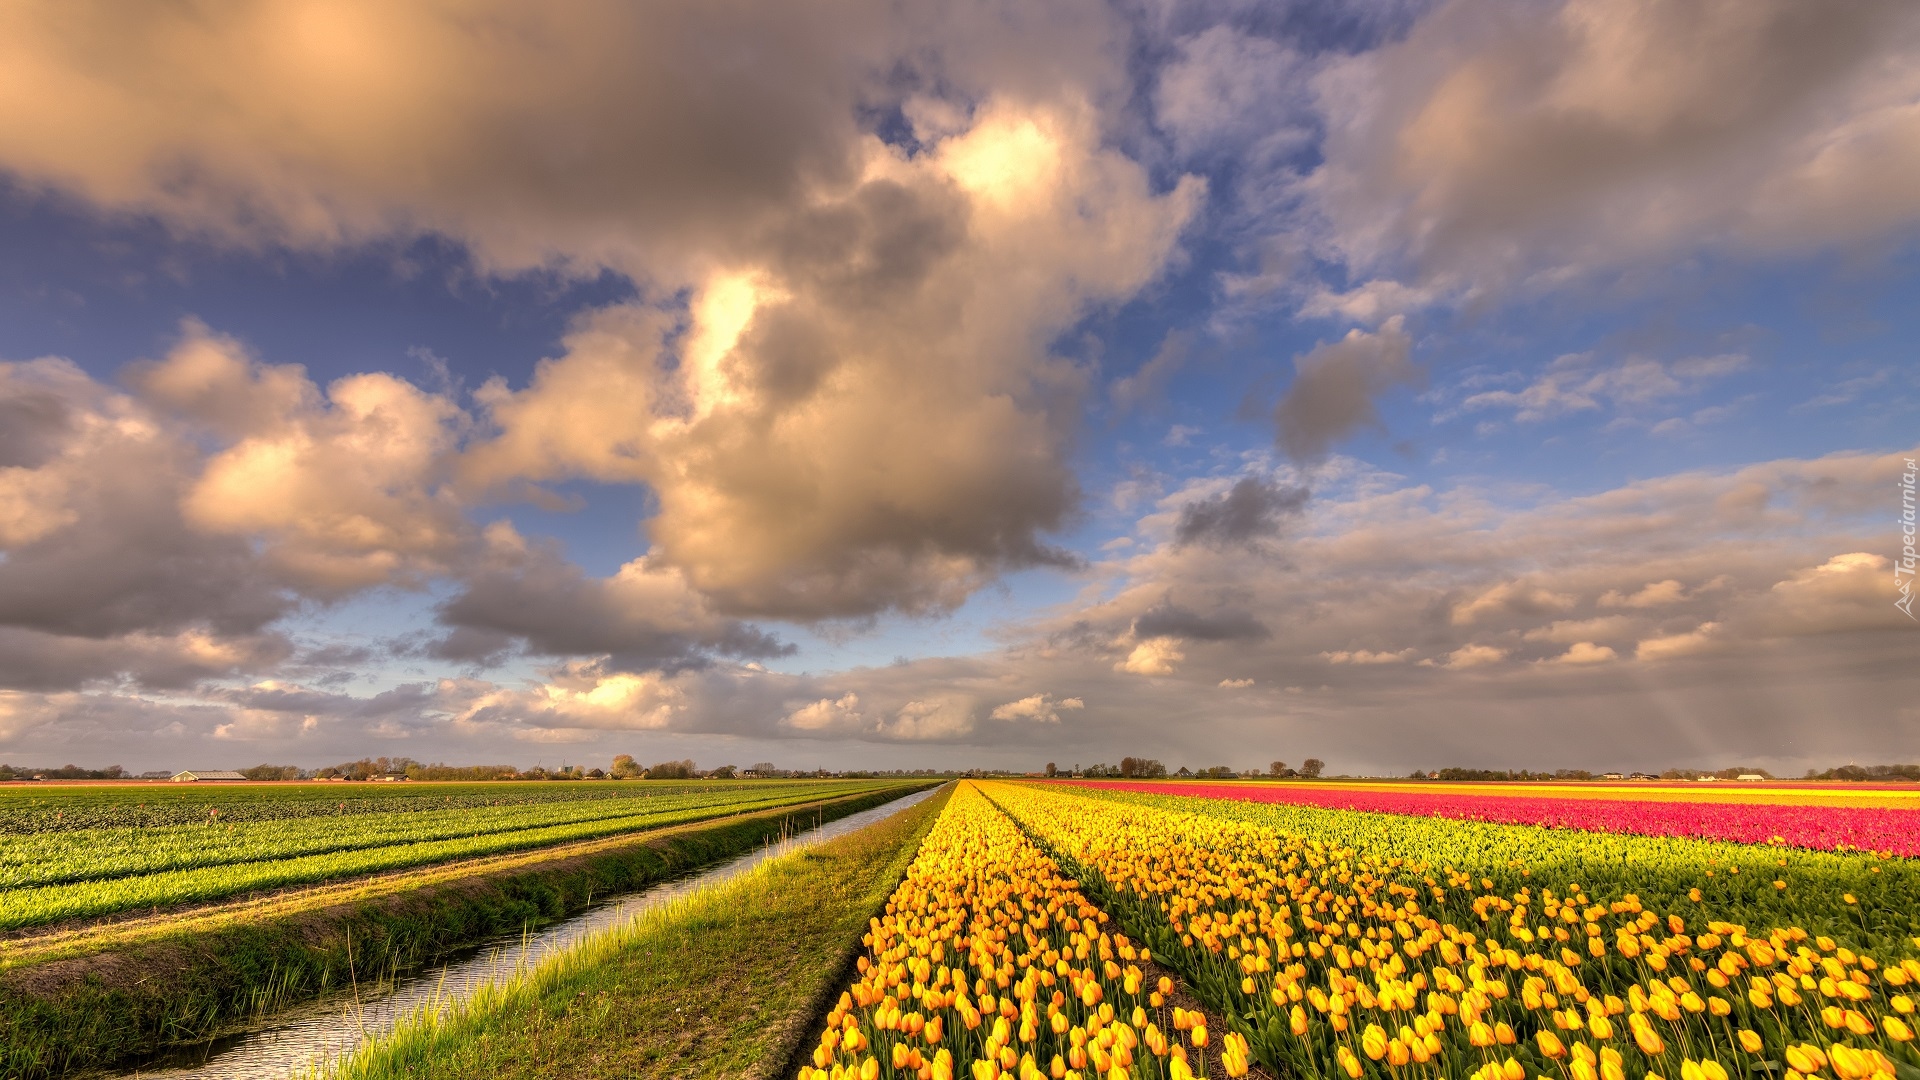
pixel 879 384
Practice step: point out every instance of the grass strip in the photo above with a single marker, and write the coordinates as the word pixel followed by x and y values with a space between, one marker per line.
pixel 103 1006
pixel 724 983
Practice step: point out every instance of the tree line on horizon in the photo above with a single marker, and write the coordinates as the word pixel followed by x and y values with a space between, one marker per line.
pixel 626 767
pixel 1133 768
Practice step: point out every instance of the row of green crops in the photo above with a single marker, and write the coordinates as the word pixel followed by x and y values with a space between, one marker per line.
pixel 1369 947
pixel 252 857
pixel 51 858
pixel 45 808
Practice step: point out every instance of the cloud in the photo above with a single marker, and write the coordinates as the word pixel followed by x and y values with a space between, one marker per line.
pixel 828 714
pixel 343 488
pixel 1583 653
pixel 1146 385
pixel 582 694
pixel 1038 708
pixel 1576 383
pixel 1334 387
pixel 40 660
pixel 1166 620
pixel 1510 598
pixel 863 414
pixel 1363 656
pixel 1670 646
pixel 646 140
pixel 1851 591
pixel 644 616
pixel 1797 607
pixel 1652 594
pixel 1489 147
pixel 1575 631
pixel 1154 656
pixel 1227 91
pixel 1471 656
pixel 940 718
pixel 1254 509
pixel 95 543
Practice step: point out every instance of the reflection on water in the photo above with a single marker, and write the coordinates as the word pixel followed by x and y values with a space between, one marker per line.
pixel 298 1039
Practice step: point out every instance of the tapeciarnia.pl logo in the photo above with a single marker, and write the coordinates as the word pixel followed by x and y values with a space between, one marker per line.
pixel 1903 567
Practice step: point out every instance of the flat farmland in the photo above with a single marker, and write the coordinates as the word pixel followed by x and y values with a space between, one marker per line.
pixel 93 851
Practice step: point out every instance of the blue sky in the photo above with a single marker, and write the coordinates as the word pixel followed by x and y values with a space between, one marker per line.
pixel 1209 382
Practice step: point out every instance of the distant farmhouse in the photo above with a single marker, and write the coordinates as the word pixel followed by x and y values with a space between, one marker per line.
pixel 199 775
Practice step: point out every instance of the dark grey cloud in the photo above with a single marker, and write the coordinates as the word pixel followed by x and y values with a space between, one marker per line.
pixel 38 661
pixel 472 645
pixel 643 619
pixel 1168 619
pixel 1254 509
pixel 1334 387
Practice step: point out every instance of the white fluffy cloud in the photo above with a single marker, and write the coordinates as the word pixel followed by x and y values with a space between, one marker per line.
pixel 1154 656
pixel 1037 708
pixel 344 487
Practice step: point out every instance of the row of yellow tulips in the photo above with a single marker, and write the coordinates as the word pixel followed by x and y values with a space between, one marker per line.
pixel 990 962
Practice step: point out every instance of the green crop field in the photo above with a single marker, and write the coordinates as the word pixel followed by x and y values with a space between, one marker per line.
pixel 84 852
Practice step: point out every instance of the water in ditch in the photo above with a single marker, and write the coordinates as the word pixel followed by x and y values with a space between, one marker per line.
pixel 293 1042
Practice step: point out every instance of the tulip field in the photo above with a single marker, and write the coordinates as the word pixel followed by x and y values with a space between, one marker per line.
pixel 1871 820
pixel 52 870
pixel 1047 930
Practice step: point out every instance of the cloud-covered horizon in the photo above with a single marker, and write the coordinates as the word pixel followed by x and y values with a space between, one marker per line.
pixel 1407 387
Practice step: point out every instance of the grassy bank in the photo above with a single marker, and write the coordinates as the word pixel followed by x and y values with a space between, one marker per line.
pixel 97 1000
pixel 723 984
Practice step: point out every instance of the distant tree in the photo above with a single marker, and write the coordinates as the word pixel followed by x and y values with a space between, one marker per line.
pixel 1144 768
pixel 1099 769
pixel 724 772
pixel 672 770
pixel 1279 768
pixel 1311 767
pixel 1218 772
pixel 765 768
pixel 624 767
pixel 462 772
pixel 1865 772
pixel 272 772
pixel 1052 769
